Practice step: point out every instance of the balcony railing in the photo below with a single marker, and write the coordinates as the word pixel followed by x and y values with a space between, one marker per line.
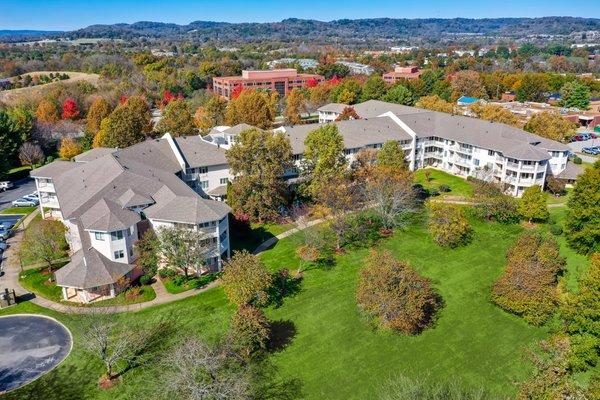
pixel 463 149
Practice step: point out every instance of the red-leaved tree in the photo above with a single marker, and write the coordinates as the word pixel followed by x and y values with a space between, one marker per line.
pixel 312 82
pixel 70 110
pixel 235 93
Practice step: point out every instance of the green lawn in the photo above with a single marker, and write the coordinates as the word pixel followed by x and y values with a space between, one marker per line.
pixel 458 185
pixel 175 286
pixel 331 349
pixel 18 210
pixel 258 234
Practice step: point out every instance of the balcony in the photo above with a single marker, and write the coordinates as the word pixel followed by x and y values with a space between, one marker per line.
pixel 526 167
pixel 434 154
pixel 512 165
pixel 463 149
pixel 46 187
pixel 462 161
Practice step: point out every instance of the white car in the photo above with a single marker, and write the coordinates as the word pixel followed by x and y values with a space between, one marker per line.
pixel 22 202
pixel 32 197
pixel 4 234
pixel 5 185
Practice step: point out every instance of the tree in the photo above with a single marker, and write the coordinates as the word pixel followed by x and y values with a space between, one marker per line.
pixel 177 119
pixel 10 141
pixel 253 107
pixel 347 114
pixel 392 293
pixel 295 105
pixel 468 83
pixel 258 160
pixel 195 370
pixel 44 240
pixel 31 154
pixel 575 95
pixel 551 125
pixel 581 313
pixel 528 285
pixel 70 109
pixel 211 114
pixel 99 110
pixel 319 95
pixel 127 125
pixel 391 155
pixel 533 204
pixel 435 103
pixel 47 112
pixel 390 191
pixel 348 91
pixel 492 204
pixel 555 185
pixel 323 157
pixel 69 148
pixel 532 88
pixel 583 215
pixel 448 225
pixel 374 88
pixel 249 331
pixel 494 113
pixel 148 251
pixel 246 280
pixel 183 249
pixel 330 70
pixel 399 94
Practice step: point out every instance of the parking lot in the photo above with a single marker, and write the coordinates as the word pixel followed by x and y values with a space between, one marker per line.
pixel 21 188
pixel 577 147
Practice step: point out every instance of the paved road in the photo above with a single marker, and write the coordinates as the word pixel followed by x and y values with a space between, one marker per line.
pixel 21 188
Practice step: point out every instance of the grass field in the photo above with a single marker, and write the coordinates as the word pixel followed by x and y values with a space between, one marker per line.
pixel 332 351
pixel 18 210
pixel 458 186
pixel 14 95
pixel 259 233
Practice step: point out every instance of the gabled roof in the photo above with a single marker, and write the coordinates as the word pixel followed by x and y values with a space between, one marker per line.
pixel 185 209
pixel 237 129
pixel 199 153
pixel 571 172
pixel 108 216
pixel 93 154
pixel 88 268
pixel 53 169
pixel 132 198
pixel 337 108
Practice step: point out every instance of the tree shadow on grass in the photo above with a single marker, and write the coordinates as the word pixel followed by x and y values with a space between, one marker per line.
pixel 284 285
pixel 282 335
pixel 269 385
pixel 62 383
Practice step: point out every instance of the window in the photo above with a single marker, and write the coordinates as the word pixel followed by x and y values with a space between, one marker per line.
pixel 131 252
pixel 119 254
pixel 99 235
pixel 203 184
pixel 117 235
pixel 491 152
pixel 476 162
pixel 224 181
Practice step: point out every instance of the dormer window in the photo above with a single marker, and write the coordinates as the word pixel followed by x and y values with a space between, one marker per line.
pixel 99 235
pixel 117 235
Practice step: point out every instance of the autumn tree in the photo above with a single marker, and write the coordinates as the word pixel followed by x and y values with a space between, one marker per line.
pixel 348 91
pixel 392 293
pixel 533 205
pixel 127 125
pixel 70 109
pixel 211 114
pixel 295 105
pixel 399 94
pixel 246 280
pixel 448 225
pixel 47 112
pixel 374 88
pixel 551 125
pixel 99 109
pixel 249 330
pixel 30 154
pixel 258 160
pixel 319 95
pixel 391 155
pixel 184 249
pixel 177 120
pixel 390 191
pixel 493 205
pixel 528 285
pixel 44 240
pixel 555 185
pixel 435 103
pixel 69 148
pixel 583 215
pixel 575 95
pixel 252 107
pixel 347 114
pixel 494 113
pixel 468 83
pixel 323 157
pixel 532 87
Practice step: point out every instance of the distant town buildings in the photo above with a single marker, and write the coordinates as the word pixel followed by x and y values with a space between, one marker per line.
pixel 357 68
pixel 279 80
pixel 305 63
pixel 400 73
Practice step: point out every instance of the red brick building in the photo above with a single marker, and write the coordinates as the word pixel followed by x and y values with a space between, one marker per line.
pixel 400 73
pixel 279 80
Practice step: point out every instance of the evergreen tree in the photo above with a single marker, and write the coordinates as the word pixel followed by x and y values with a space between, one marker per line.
pixel 373 89
pixel 576 95
pixel 399 94
pixel 323 156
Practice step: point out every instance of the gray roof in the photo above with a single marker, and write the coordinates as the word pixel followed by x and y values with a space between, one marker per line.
pixel 218 191
pixel 93 154
pixel 237 129
pixel 337 108
pixel 53 169
pixel 374 108
pixel 88 268
pixel 199 153
pixel 108 216
pixel 356 133
pixel 571 172
pixel 132 198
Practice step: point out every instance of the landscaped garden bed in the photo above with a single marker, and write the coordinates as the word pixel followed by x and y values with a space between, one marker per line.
pixel 180 283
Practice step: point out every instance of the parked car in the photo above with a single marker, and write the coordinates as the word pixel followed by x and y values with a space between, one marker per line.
pixel 5 185
pixel 22 202
pixel 3 246
pixel 585 136
pixel 4 234
pixel 33 197
pixel 591 150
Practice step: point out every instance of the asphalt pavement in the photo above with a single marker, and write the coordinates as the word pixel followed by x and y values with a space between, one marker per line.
pixel 21 188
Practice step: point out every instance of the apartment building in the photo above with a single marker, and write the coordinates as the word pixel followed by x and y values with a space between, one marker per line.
pixel 107 198
pixel 280 80
pixel 357 68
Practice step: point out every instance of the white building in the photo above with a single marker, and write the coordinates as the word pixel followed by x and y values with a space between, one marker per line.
pixel 357 68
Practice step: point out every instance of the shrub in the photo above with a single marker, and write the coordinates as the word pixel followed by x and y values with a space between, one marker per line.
pixel 395 295
pixel 166 273
pixel 179 280
pixel 249 330
pixel 133 292
pixel 363 230
pixel 433 192
pixel 528 285
pixel 443 188
pixel 533 204
pixel 556 229
pixel 448 225
pixel 492 204
pixel 145 279
pixel 577 160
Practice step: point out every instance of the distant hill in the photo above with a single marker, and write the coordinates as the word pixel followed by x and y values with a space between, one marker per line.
pixel 377 28
pixel 26 34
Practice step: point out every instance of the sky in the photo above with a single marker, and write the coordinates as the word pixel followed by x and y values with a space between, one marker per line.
pixel 74 14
